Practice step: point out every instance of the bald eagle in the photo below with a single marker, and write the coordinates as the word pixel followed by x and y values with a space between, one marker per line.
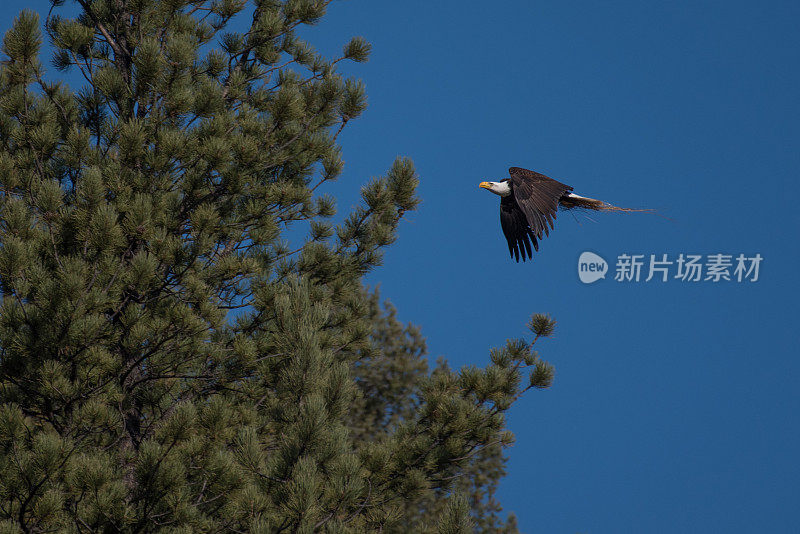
pixel 528 206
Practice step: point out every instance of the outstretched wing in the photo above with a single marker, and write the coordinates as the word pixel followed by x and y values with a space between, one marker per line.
pixel 537 196
pixel 516 229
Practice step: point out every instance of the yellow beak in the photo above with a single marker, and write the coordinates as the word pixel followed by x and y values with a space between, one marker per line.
pixel 485 185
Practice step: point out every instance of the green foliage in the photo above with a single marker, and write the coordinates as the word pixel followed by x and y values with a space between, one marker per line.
pixel 168 359
pixel 542 325
pixel 455 519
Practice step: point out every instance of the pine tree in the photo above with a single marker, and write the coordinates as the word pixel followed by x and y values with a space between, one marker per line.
pixel 168 360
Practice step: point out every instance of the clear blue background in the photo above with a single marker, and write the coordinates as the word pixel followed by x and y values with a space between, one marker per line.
pixel 675 405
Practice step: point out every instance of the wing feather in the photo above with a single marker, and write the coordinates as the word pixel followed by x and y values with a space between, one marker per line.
pixel 516 229
pixel 537 196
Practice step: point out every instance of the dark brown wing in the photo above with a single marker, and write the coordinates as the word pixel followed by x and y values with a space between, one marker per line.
pixel 516 229
pixel 537 196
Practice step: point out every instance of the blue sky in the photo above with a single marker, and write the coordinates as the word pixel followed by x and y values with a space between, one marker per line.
pixel 675 404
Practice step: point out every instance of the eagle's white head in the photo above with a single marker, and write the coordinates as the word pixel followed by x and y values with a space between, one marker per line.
pixel 502 188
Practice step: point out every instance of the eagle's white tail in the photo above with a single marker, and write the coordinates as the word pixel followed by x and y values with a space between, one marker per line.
pixel 573 201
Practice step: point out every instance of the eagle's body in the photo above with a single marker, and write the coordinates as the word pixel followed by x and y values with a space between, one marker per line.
pixel 529 204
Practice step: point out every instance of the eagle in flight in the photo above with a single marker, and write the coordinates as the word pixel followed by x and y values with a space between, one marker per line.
pixel 528 206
